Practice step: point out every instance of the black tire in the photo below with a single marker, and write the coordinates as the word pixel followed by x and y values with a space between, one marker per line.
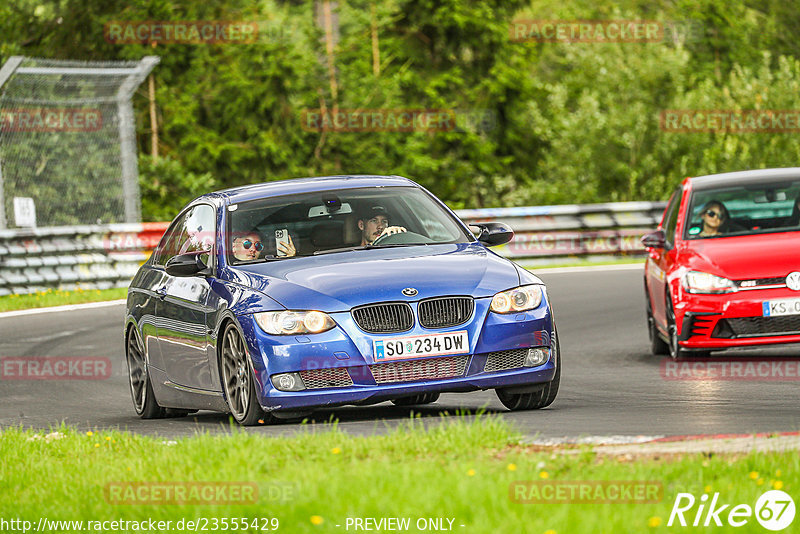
pixel 144 400
pixel 422 398
pixel 676 352
pixel 658 346
pixel 537 399
pixel 238 382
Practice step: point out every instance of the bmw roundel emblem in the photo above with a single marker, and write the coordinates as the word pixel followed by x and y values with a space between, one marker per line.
pixel 793 281
pixel 409 292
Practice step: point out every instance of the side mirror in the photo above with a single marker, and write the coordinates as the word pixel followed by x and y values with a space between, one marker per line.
pixel 190 264
pixel 657 239
pixel 494 233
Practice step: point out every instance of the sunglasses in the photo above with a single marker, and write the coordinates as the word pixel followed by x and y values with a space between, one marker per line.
pixel 712 213
pixel 247 244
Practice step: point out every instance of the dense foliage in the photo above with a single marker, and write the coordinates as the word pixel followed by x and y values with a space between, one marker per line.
pixel 556 122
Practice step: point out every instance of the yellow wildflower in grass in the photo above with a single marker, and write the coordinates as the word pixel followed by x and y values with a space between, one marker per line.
pixel 777 485
pixel 90 433
pixel 471 473
pixel 550 531
pixel 778 473
pixel 512 467
pixel 108 438
pixel 544 474
pixel 654 522
pixel 753 475
pixel 707 489
pixel 760 482
pixel 316 520
pixel 96 445
pixel 336 450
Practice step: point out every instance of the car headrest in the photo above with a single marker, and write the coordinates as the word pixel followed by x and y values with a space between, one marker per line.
pixel 327 234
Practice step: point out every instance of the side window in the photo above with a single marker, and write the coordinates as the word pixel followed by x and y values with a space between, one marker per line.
pixel 192 232
pixel 671 217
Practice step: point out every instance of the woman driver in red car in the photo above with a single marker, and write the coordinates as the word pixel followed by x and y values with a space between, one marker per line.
pixel 715 216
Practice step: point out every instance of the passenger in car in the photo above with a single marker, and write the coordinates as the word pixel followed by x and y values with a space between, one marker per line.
pixel 248 247
pixel 715 218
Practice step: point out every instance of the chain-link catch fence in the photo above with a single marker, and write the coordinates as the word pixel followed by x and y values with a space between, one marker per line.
pixel 67 141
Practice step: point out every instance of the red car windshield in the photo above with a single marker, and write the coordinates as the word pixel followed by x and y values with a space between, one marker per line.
pixel 743 210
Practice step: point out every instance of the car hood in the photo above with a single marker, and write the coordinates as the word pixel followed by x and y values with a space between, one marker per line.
pixel 341 281
pixel 746 257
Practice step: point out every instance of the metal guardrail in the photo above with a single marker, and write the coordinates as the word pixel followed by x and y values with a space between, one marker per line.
pixel 101 257
pixel 74 257
pixel 553 234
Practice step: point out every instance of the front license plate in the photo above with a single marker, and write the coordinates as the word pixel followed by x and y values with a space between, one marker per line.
pixel 774 308
pixel 428 345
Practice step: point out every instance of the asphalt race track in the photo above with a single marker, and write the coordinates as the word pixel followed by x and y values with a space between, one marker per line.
pixel 610 385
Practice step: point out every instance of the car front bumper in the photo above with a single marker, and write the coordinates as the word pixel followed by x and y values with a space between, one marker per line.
pixel 735 320
pixel 339 366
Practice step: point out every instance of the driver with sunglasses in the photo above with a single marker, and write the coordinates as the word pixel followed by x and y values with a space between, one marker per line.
pixel 248 247
pixel 715 217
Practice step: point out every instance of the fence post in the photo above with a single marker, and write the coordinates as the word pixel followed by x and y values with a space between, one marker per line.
pixel 127 138
pixel 5 73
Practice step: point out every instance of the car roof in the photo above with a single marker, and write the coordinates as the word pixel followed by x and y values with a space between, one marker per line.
pixel 305 185
pixel 754 177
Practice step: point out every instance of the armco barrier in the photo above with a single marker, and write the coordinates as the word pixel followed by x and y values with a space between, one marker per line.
pixel 74 257
pixel 547 234
pixel 100 257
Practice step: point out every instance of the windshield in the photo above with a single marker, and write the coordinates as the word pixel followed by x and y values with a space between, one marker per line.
pixel 747 209
pixel 334 221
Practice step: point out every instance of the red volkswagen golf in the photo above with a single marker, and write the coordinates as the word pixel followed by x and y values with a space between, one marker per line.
pixel 723 268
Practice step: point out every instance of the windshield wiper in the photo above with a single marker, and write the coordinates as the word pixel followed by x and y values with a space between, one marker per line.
pixel 340 249
pixel 393 245
pixel 366 247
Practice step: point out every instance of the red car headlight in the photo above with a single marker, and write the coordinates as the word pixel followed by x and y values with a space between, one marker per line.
pixel 700 282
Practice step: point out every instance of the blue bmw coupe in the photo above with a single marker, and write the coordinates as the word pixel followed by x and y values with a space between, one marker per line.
pixel 270 300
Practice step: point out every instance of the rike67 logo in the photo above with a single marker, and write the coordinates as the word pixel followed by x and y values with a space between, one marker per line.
pixel 774 510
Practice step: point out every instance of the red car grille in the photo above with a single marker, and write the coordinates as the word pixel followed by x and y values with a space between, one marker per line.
pixel 415 370
pixel 758 282
pixel 765 326
pixel 336 377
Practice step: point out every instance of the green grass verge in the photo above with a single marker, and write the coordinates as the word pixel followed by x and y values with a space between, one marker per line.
pixel 315 480
pixel 54 297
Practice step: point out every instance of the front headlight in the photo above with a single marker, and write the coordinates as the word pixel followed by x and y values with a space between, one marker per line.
pixel 518 299
pixel 286 323
pixel 699 282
